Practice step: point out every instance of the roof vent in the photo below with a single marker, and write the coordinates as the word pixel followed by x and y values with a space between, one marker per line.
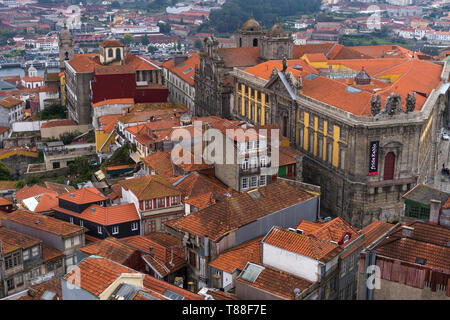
pixel 92 210
pixel 292 229
pixel 299 231
pixel 38 221
pixel 421 261
pixel 71 195
pixel 298 67
pixel 407 231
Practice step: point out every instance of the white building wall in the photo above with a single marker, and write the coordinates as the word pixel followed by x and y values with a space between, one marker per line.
pixel 291 262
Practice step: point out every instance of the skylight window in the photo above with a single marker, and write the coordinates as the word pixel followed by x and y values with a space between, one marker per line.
pixel 172 295
pixel 187 70
pixel 311 76
pixel 251 272
pixel 351 89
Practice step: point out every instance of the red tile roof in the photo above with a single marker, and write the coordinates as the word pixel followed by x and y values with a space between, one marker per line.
pixel 10 102
pixel 11 239
pixel 374 231
pixel 197 184
pixel 106 215
pixel 110 44
pixel 186 69
pixel 114 101
pixel 83 195
pixel 160 287
pixel 110 248
pixel 225 216
pixel 141 63
pixel 58 188
pixel 112 69
pixel 35 292
pixel 149 187
pixel 49 254
pixel 278 283
pixel 239 57
pixel 58 123
pixel 44 223
pixel 237 257
pixel 5 202
pixel 302 244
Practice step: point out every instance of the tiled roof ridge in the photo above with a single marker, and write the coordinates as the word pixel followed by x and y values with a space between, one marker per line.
pixel 393 67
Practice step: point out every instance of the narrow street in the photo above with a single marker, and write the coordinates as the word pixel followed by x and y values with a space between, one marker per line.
pixel 441 181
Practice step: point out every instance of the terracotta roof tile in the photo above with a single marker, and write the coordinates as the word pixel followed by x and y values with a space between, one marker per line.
pixel 160 287
pixel 83 195
pixel 110 43
pixel 234 212
pixel 237 257
pixel 149 187
pixel 10 102
pixel 58 188
pixel 161 163
pixel 106 215
pixel 197 184
pixel 58 123
pixel 129 101
pixel 5 202
pixel 278 283
pixel 374 231
pixel 11 239
pixel 141 63
pixel 49 254
pixel 185 70
pixel 110 248
pixel 35 292
pixel 239 57
pixel 44 223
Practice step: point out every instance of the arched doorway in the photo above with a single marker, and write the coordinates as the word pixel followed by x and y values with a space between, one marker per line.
pixel 389 166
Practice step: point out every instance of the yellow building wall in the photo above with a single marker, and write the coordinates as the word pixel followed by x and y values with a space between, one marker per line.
pixel 245 92
pixel 305 133
pixel 100 138
pixel 63 89
pixel 336 133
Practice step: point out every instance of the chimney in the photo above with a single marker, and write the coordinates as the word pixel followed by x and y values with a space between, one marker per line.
pixel 407 231
pixel 435 207
pixel 150 252
pixel 179 58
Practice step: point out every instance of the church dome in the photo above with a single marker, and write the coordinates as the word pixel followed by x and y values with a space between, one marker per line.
pixel 251 25
pixel 276 31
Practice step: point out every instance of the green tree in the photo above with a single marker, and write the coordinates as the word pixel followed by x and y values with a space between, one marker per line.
pixel 152 49
pixel 128 39
pixel 145 41
pixel 164 27
pixel 179 45
pixel 5 173
pixel 55 111
pixel 198 44
pixel 67 137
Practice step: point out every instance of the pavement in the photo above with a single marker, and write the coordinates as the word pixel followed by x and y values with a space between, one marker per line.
pixel 442 182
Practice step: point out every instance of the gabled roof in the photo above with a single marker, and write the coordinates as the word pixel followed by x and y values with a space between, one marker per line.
pixel 234 212
pixel 9 102
pixel 44 223
pixel 197 184
pixel 83 196
pixel 5 202
pixel 237 257
pixel 239 57
pixel 36 292
pixel 423 194
pixel 110 44
pixel 277 282
pixel 149 187
pixel 333 230
pixel 185 70
pixel 374 231
pixel 11 239
pixel 106 216
pixel 58 188
pixel 110 248
pixel 304 245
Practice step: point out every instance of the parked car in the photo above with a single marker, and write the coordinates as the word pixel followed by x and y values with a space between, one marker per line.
pixel 445 136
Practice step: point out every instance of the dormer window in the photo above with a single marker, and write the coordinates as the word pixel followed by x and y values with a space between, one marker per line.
pixel 346 238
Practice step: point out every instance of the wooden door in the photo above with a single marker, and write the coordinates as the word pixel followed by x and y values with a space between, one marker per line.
pixel 389 166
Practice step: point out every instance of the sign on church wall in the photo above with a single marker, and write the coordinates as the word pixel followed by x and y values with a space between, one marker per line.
pixel 373 164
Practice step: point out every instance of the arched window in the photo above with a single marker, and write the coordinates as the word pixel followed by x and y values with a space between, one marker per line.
pixel 110 53
pixel 118 55
pixel 255 42
pixel 389 166
pixel 66 56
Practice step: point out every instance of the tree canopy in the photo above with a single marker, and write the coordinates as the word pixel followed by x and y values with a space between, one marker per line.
pixel 5 173
pixel 236 12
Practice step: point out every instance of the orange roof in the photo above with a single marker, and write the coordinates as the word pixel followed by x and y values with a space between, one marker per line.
pixel 84 63
pixel 197 184
pixel 375 230
pixel 161 163
pixel 10 102
pixel 201 201
pixel 3 129
pixel 237 257
pixel 149 187
pixel 160 286
pixel 302 244
pixel 58 188
pixel 447 204
pixel 44 223
pixel 264 70
pixel 47 202
pixel 35 292
pixel 96 274
pixel 239 57
pixel 315 57
pixel 239 210
pixel 186 69
pixel 333 230
pixel 11 239
pixel 82 196
pixel 141 63
pixel 278 283
pixel 113 101
pixel 5 202
pixel 106 215
pixel 110 248
pixel 50 253
pixel 27 192
pixel 33 79
pixel 58 123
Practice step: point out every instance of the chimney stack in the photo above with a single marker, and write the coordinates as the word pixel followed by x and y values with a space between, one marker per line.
pixel 435 207
pixel 407 231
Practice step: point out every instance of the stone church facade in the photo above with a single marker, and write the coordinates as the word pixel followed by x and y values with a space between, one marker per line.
pixel 364 163
pixel 214 84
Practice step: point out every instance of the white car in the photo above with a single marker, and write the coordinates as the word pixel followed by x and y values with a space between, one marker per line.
pixel 445 136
